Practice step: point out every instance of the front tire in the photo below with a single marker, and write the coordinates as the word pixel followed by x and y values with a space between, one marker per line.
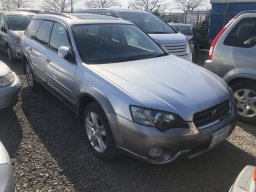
pixel 98 132
pixel 245 96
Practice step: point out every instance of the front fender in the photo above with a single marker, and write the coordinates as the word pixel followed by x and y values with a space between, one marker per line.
pixel 97 95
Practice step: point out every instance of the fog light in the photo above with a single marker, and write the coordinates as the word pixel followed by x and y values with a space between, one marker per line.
pixel 155 152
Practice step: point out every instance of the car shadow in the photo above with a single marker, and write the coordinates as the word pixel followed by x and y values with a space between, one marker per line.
pixel 57 128
pixel 10 131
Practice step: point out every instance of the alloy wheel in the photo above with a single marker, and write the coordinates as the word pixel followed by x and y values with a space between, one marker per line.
pixel 246 102
pixel 96 132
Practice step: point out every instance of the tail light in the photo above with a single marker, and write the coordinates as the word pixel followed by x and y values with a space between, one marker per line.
pixel 215 40
pixel 254 175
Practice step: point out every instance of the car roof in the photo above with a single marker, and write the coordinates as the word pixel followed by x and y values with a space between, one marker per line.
pixel 17 13
pixel 80 18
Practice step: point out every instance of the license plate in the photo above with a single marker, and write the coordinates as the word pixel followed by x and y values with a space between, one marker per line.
pixel 220 135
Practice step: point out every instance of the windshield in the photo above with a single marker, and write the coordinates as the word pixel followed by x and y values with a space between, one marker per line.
pixel 109 43
pixel 18 22
pixel 147 22
pixel 185 29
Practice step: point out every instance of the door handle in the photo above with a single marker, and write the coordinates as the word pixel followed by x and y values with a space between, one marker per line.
pixel 48 60
pixel 30 49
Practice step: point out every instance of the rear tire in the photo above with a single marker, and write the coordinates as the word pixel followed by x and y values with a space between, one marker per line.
pixel 9 55
pixel 245 96
pixel 98 132
pixel 32 83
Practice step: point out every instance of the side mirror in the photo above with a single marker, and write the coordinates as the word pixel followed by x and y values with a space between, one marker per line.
pixel 65 53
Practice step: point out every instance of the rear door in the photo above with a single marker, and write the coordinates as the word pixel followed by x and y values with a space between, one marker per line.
pixel 241 42
pixel 39 48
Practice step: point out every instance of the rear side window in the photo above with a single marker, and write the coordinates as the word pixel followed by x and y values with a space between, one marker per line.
pixel 243 34
pixel 33 28
pixel 59 37
pixel 44 32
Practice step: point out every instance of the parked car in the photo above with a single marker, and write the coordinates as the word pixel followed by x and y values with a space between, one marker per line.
pixel 129 94
pixel 187 30
pixel 6 175
pixel 9 87
pixel 246 180
pixel 175 43
pixel 12 27
pixel 232 56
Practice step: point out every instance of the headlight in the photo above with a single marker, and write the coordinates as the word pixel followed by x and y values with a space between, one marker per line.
pixel 6 80
pixel 159 119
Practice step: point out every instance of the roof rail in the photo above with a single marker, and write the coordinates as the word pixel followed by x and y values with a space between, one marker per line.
pixel 248 11
pixel 55 13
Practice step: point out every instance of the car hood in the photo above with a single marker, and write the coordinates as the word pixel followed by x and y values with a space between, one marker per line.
pixel 172 38
pixel 4 157
pixel 4 69
pixel 166 83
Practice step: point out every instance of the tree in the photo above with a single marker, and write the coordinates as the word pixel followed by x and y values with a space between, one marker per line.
pixel 56 5
pixel 101 3
pixel 188 5
pixel 147 5
pixel 14 4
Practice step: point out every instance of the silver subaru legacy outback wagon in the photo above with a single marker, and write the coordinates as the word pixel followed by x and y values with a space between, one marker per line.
pixel 129 94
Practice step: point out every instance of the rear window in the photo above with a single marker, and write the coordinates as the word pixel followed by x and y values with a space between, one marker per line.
pixel 44 31
pixel 243 34
pixel 18 22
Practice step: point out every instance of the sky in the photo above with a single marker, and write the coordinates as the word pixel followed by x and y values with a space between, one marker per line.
pixel 124 4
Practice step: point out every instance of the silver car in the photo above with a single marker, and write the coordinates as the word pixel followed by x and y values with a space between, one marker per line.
pixel 129 94
pixel 6 176
pixel 12 27
pixel 9 87
pixel 232 56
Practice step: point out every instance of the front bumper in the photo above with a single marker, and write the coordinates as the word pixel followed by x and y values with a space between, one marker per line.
pixel 6 176
pixel 9 94
pixel 138 140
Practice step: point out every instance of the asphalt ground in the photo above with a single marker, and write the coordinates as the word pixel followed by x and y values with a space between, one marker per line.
pixel 49 153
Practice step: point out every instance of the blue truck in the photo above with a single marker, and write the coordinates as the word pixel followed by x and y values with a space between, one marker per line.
pixel 224 10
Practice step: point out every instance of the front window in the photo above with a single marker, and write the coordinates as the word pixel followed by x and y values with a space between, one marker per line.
pixel 18 22
pixel 108 43
pixel 147 22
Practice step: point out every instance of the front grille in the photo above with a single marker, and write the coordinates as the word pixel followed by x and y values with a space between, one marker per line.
pixel 214 114
pixel 176 49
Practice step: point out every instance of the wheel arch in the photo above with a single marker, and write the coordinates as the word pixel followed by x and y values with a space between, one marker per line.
pixel 93 95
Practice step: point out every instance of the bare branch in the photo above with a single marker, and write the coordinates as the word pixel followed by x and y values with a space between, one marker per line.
pixel 14 4
pixel 147 5
pixel 188 5
pixel 56 5
pixel 101 3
